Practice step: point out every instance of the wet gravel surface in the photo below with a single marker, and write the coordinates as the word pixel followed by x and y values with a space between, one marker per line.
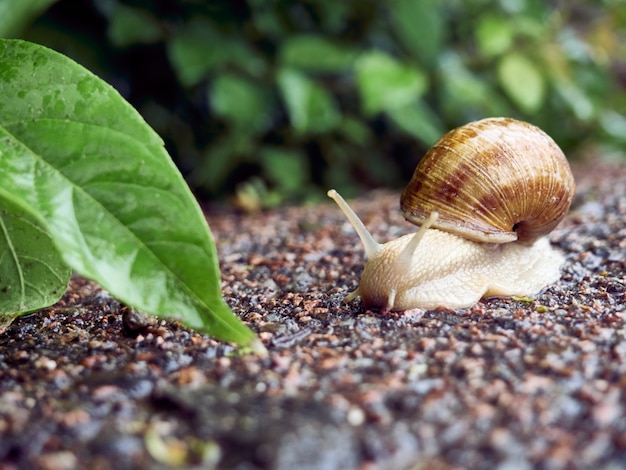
pixel 505 384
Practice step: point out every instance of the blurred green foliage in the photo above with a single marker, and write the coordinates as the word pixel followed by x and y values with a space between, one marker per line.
pixel 276 100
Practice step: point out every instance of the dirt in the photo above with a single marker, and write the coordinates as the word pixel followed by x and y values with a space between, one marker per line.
pixel 526 383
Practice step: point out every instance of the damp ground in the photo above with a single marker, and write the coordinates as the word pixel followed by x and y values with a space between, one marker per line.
pixel 526 383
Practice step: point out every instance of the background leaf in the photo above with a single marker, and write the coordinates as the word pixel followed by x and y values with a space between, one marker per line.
pixel 82 159
pixel 418 121
pixel 285 167
pixel 130 26
pixel 419 26
pixel 311 108
pixel 522 81
pixel 14 16
pixel 385 83
pixel 241 102
pixel 357 63
pixel 493 35
pixel 32 273
pixel 198 48
pixel 317 54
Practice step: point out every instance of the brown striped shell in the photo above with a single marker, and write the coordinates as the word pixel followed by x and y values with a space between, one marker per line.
pixel 496 180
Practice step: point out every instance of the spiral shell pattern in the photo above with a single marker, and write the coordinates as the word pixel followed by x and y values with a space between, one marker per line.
pixel 495 180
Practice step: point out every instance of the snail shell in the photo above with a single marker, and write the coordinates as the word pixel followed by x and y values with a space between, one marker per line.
pixel 495 180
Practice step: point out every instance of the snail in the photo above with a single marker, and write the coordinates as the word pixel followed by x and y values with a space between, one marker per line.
pixel 485 196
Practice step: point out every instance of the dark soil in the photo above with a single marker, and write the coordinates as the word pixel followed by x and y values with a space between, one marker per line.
pixel 505 384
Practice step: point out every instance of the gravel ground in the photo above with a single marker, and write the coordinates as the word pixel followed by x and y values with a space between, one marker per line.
pixel 505 384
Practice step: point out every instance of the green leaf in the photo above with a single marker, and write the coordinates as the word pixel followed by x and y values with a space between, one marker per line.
pixel 241 102
pixel 522 81
pixel 356 131
pixel 614 124
pixel 494 35
pixel 420 27
pixel 198 49
pixel 464 95
pixel 82 160
pixel 385 83
pixel 578 102
pixel 32 273
pixel 220 160
pixel 286 168
pixel 132 26
pixel 311 108
pixel 419 121
pixel 16 15
pixel 317 54
pixel 195 50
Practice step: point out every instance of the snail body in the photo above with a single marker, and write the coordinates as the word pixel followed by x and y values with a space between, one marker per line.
pixel 462 251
